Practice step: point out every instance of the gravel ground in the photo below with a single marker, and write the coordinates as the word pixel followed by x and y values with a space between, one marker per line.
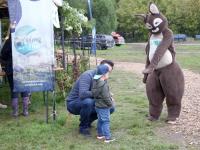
pixel 187 130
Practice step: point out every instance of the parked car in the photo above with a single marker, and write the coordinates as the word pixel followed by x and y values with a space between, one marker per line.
pixel 119 40
pixel 180 37
pixel 103 41
pixel 197 37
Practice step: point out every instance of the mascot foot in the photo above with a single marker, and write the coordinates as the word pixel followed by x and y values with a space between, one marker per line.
pixel 150 118
pixel 172 121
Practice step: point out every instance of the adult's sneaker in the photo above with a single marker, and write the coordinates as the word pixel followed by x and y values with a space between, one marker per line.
pixel 85 132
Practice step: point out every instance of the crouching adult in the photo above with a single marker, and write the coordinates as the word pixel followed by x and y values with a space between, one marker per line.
pixel 80 99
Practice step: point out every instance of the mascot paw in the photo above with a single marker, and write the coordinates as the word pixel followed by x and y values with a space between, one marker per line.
pixel 150 118
pixel 144 80
pixel 172 121
pixel 147 71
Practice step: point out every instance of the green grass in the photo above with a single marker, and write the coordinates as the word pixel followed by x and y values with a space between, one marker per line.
pixel 128 123
pixel 188 48
pixel 188 56
pixel 126 53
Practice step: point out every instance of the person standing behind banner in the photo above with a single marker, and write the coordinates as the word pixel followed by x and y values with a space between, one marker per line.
pixel 80 99
pixel 6 60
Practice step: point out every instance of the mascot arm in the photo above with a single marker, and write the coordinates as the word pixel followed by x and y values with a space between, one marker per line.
pixel 147 62
pixel 160 51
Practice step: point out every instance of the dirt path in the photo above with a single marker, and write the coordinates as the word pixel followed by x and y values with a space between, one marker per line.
pixel 188 127
pixel 187 130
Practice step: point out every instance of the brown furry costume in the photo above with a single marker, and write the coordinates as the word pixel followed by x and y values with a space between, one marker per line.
pixel 162 75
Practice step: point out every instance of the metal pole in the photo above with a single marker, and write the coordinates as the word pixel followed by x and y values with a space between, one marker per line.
pixel 90 9
pixel 93 44
pixel 47 107
pixel 63 41
pixel 54 106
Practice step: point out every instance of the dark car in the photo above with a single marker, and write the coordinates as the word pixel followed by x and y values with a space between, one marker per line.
pixel 180 37
pixel 103 41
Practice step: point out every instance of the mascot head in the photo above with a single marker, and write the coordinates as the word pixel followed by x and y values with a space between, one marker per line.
pixel 154 21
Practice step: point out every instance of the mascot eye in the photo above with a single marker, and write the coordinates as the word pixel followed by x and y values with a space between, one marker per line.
pixel 148 26
pixel 157 22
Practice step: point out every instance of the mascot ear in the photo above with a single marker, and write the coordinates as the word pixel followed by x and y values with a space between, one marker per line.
pixel 58 2
pixel 141 16
pixel 153 9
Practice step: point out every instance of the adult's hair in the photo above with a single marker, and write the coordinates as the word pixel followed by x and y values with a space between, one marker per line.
pixel 105 61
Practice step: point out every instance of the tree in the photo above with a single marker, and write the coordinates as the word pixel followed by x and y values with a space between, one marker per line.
pixel 103 11
pixel 183 16
pixel 131 26
pixel 74 19
pixel 105 15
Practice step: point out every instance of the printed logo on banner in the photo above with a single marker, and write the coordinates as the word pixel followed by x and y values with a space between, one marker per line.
pixel 27 40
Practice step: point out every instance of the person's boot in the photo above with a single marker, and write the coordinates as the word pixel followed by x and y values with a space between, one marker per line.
pixel 15 107
pixel 25 105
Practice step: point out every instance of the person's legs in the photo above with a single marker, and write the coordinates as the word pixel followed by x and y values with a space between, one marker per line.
pixel 14 96
pixel 172 81
pixel 104 118
pixel 155 95
pixel 25 99
pixel 93 116
pixel 99 123
pixel 87 107
pixel 84 108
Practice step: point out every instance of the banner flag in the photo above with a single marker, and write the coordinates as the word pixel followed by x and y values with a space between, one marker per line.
pixel 93 46
pixel 32 45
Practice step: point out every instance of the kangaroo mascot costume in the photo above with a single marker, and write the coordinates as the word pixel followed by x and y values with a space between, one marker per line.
pixel 162 75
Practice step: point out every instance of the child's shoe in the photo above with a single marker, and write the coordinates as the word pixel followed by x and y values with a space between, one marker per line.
pixel 109 140
pixel 100 137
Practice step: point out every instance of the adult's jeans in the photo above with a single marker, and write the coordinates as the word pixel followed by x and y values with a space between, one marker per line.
pixel 86 109
pixel 103 123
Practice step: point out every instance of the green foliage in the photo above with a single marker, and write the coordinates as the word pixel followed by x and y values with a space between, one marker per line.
pixel 74 19
pixel 105 16
pixel 187 21
pixel 103 11
pixel 84 64
pixel 5 25
pixel 66 78
pixel 128 23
